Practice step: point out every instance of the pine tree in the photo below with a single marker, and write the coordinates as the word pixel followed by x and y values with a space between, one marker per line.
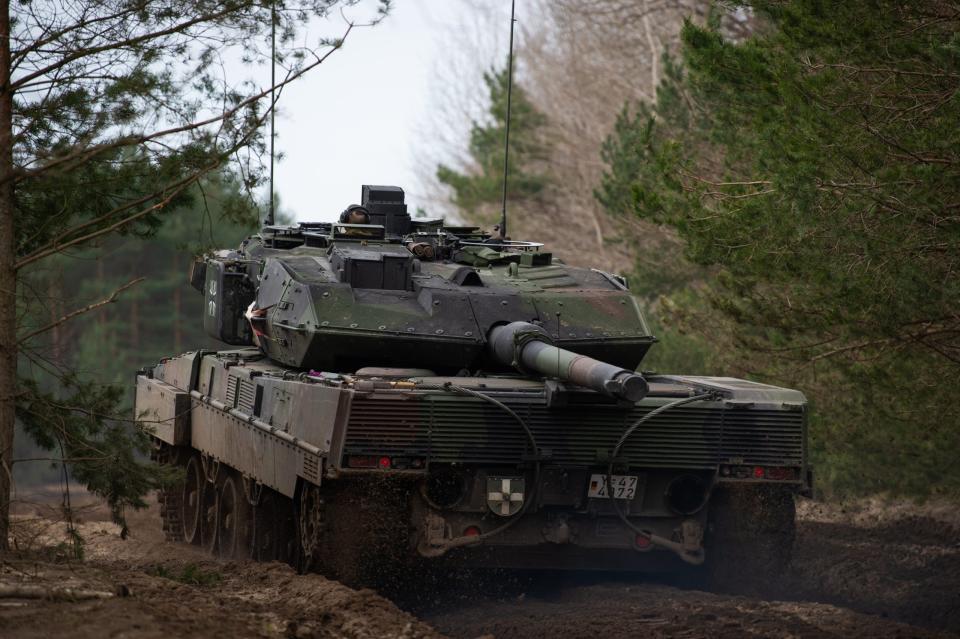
pixel 481 182
pixel 816 165
pixel 110 112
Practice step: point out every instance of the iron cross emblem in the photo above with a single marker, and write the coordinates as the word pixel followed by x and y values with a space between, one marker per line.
pixel 505 495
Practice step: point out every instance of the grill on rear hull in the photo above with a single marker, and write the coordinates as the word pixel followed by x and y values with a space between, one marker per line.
pixel 460 429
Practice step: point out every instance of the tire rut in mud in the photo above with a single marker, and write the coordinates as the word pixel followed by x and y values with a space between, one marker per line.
pixel 854 573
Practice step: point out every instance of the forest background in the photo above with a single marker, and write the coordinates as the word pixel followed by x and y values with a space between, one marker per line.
pixel 778 179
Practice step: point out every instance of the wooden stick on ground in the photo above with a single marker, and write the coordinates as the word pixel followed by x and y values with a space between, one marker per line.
pixel 8 591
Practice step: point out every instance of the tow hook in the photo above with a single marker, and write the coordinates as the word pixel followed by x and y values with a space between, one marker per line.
pixel 434 531
pixel 690 546
pixel 435 541
pixel 691 535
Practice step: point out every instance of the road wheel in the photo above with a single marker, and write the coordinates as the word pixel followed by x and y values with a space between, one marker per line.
pixel 751 532
pixel 234 520
pixel 190 501
pixel 310 527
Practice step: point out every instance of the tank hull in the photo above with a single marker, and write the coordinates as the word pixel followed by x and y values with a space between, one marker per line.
pixel 423 462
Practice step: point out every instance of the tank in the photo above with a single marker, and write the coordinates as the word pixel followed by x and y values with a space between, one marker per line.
pixel 400 393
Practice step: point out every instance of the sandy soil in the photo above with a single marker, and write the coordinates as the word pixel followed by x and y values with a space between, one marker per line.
pixel 869 570
pixel 167 590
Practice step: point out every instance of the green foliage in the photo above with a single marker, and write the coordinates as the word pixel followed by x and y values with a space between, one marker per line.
pixel 161 315
pixel 641 153
pixel 815 166
pixel 120 112
pixel 66 551
pixel 75 544
pixel 76 396
pixel 78 426
pixel 679 350
pixel 482 182
pixel 89 193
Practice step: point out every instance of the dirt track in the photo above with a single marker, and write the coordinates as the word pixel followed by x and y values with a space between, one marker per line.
pixel 873 572
pixel 172 590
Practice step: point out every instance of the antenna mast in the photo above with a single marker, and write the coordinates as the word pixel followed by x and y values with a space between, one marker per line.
pixel 506 142
pixel 273 103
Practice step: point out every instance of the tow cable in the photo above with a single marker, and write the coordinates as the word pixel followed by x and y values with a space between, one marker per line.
pixel 696 558
pixel 436 550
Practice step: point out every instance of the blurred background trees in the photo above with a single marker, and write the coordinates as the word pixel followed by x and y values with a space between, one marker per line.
pixel 781 180
pixel 114 115
pixel 778 179
pixel 76 402
pixel 477 189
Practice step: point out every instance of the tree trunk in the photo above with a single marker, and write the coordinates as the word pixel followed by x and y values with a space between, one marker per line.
pixel 55 304
pixel 177 305
pixel 8 281
pixel 134 325
pixel 102 313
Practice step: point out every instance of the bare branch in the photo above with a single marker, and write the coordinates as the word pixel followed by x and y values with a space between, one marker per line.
pixel 19 54
pixel 57 244
pixel 146 37
pixel 83 155
pixel 80 311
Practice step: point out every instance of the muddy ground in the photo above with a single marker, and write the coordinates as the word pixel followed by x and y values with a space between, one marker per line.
pixel 864 570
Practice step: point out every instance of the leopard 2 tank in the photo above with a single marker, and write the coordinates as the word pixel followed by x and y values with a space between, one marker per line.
pixel 402 392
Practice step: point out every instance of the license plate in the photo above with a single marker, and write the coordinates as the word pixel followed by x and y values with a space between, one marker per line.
pixel 623 486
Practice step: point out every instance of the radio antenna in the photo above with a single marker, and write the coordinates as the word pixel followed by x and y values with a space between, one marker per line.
pixel 506 141
pixel 273 102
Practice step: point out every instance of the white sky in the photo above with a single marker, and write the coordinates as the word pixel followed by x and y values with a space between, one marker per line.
pixel 354 119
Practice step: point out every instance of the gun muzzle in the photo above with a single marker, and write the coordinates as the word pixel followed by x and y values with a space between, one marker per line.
pixel 529 349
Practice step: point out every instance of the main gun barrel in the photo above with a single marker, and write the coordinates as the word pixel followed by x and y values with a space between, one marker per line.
pixel 529 349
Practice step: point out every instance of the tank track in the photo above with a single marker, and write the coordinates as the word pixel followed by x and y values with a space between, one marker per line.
pixel 753 531
pixel 170 498
pixel 364 534
pixel 355 532
pixel 170 513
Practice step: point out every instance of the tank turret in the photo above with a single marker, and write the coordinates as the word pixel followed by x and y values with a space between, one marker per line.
pixel 401 292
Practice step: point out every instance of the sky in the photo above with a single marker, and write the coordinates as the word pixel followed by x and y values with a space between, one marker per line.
pixel 354 120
